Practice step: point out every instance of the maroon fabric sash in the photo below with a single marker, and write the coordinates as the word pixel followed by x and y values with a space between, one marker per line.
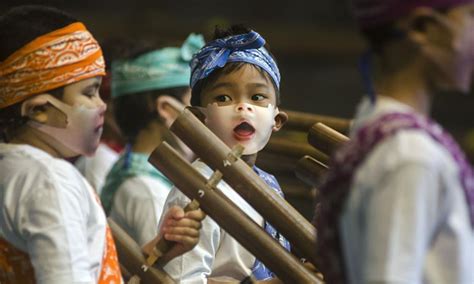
pixel 334 192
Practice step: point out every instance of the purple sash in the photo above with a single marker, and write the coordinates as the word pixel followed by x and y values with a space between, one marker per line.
pixel 335 191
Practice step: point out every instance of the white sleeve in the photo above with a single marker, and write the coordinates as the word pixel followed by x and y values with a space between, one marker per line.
pixel 134 208
pixel 400 216
pixel 194 266
pixel 53 222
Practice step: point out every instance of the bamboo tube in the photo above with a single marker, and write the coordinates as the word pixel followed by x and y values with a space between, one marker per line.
pixel 131 257
pixel 229 216
pixel 304 121
pixel 325 138
pixel 310 170
pixel 294 149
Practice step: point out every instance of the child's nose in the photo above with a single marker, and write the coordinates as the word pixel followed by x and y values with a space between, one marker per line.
pixel 244 107
pixel 103 108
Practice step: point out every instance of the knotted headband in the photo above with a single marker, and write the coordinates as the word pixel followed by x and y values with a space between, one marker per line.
pixel 159 69
pixel 238 48
pixel 53 60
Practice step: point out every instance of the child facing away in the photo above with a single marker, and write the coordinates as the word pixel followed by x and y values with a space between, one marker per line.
pixel 52 226
pixel 235 82
pixel 150 86
pixel 398 206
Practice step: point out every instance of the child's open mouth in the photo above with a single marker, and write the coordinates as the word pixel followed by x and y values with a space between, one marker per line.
pixel 244 131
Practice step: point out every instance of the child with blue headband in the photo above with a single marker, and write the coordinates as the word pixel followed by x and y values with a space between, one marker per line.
pixel 149 86
pixel 235 82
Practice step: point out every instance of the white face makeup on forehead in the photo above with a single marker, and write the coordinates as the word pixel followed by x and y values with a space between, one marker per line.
pixel 240 108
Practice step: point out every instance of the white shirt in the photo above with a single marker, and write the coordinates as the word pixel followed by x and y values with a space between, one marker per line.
pixel 96 168
pixel 49 210
pixel 137 207
pixel 217 255
pixel 406 218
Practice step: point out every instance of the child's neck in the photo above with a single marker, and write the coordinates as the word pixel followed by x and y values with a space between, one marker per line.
pixel 408 87
pixel 148 138
pixel 30 136
pixel 250 159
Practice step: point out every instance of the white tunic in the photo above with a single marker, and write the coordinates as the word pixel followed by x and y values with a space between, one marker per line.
pixel 137 206
pixel 217 255
pixel 96 168
pixel 406 218
pixel 49 210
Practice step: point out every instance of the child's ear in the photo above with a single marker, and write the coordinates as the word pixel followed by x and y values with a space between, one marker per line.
pixel 39 109
pixel 280 119
pixel 168 109
pixel 426 27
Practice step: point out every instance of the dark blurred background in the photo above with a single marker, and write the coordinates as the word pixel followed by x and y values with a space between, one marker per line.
pixel 315 42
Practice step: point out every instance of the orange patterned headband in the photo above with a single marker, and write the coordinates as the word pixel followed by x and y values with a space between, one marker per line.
pixel 53 60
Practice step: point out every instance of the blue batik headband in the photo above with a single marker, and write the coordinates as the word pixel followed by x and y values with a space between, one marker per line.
pixel 156 70
pixel 238 48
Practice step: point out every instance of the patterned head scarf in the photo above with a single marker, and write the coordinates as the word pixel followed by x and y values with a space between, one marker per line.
pixel 53 60
pixel 372 13
pixel 159 69
pixel 238 48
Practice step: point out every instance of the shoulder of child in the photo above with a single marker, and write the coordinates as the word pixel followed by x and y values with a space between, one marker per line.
pixel 411 147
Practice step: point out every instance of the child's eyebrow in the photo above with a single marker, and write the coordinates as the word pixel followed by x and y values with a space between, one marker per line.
pixel 222 85
pixel 257 85
pixel 93 86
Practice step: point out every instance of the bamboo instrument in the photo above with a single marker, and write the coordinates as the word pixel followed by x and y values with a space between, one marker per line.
pixel 131 257
pixel 229 216
pixel 304 121
pixel 294 149
pixel 310 171
pixel 286 219
pixel 325 139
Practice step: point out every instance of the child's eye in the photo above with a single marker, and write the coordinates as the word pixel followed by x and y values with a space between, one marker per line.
pixel 258 97
pixel 223 98
pixel 89 94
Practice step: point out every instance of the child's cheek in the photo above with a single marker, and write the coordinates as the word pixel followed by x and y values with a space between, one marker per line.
pixel 219 121
pixel 264 123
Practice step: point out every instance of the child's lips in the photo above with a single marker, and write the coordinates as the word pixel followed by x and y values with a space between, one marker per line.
pixel 244 131
pixel 99 127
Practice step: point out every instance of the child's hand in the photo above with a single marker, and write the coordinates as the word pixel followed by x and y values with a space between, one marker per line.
pixel 181 228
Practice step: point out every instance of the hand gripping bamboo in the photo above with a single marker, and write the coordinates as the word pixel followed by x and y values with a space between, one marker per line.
pixel 229 216
pixel 163 245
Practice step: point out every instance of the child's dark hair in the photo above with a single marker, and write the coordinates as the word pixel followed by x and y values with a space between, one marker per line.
pixel 381 35
pixel 229 67
pixel 18 27
pixel 134 112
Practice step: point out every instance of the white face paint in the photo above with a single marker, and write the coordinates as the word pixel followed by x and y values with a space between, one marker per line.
pixel 242 123
pixel 83 131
